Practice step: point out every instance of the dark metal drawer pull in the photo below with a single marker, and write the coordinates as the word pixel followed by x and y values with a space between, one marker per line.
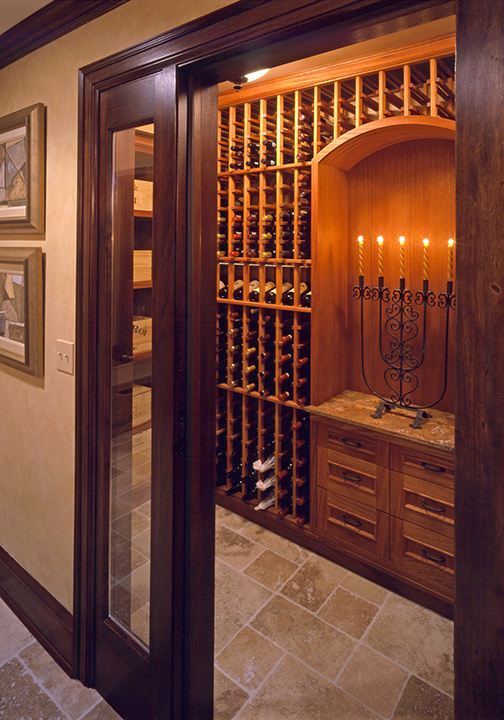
pixel 353 523
pixel 433 509
pixel 352 443
pixel 352 478
pixel 439 559
pixel 433 468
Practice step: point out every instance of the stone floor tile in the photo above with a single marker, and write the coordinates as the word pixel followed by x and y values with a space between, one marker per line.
pixel 416 638
pixel 138 583
pixel 72 697
pixel 237 599
pixel 277 543
pixel 348 612
pixel 304 635
pixel 228 697
pixel 314 582
pixel 249 658
pixel 365 588
pixel 142 543
pixel 374 680
pixel 132 524
pixel 294 692
pixel 145 509
pixel 13 634
pixel 124 558
pixel 235 549
pixel 271 569
pixel 230 519
pixel 420 701
pixel 21 698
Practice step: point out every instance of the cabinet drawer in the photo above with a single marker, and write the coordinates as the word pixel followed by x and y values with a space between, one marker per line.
pixel 423 555
pixel 345 439
pixel 352 524
pixel 353 478
pixel 434 466
pixel 423 503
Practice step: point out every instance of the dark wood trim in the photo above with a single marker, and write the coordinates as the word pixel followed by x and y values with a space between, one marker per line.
pixel 249 33
pixel 48 621
pixel 48 24
pixel 479 519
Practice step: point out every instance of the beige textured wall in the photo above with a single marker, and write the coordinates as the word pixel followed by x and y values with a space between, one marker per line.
pixel 37 416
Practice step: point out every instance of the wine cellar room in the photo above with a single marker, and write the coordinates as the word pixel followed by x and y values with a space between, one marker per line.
pixel 335 307
pixel 334 420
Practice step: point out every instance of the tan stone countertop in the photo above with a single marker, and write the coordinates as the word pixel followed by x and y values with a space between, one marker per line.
pixel 355 408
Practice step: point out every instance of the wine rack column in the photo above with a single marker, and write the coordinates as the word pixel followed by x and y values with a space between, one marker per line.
pixel 263 286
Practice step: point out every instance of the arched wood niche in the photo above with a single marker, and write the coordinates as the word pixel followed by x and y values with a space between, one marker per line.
pixel 390 177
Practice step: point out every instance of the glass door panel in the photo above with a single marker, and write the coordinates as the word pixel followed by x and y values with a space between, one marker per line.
pixel 131 312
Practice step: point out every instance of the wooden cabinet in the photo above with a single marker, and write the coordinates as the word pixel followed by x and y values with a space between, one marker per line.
pixel 385 498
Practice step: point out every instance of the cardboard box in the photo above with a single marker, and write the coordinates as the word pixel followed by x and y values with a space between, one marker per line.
pixel 142 266
pixel 143 195
pixel 141 413
pixel 142 335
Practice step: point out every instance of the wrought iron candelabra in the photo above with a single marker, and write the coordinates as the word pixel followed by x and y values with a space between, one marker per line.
pixel 402 320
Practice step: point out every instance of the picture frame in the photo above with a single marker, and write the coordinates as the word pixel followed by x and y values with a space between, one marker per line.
pixel 22 172
pixel 21 309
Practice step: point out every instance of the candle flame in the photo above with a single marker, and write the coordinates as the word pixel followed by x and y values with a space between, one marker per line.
pixel 451 242
pixel 402 240
pixel 380 240
pixel 360 239
pixel 425 242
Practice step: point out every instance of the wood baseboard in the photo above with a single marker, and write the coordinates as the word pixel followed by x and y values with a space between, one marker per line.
pixel 48 621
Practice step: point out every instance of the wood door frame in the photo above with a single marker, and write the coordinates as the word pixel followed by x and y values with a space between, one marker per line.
pixel 238 36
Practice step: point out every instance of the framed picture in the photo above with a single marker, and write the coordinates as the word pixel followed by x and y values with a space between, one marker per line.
pixel 21 312
pixel 22 171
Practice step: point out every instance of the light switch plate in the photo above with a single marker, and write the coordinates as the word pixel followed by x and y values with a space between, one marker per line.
pixel 65 356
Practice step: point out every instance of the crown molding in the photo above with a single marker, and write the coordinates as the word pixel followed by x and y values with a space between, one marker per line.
pixel 48 24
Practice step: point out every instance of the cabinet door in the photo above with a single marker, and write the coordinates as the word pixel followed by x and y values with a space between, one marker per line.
pixel 422 502
pixel 352 525
pixel 351 442
pixel 353 478
pixel 423 555
pixel 438 467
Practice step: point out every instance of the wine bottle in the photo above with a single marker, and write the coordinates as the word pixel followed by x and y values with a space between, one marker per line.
pixel 306 299
pixel 272 296
pixel 223 289
pixel 238 289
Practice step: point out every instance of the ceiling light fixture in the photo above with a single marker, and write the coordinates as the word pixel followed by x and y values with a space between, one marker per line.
pixel 249 77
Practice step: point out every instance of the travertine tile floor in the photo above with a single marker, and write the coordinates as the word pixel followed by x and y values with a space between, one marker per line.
pixel 297 637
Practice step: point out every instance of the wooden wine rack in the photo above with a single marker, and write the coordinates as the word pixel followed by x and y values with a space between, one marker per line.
pixel 268 137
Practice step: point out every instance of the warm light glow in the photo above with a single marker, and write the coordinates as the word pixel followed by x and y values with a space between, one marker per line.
pixel 449 275
pixel 425 259
pixel 402 240
pixel 256 75
pixel 361 255
pixel 380 256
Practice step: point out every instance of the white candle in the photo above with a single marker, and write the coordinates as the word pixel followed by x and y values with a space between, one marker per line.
pixel 361 255
pixel 425 259
pixel 402 240
pixel 380 256
pixel 451 243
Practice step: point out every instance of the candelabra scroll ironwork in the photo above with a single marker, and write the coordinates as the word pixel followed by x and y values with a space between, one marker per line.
pixel 399 324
